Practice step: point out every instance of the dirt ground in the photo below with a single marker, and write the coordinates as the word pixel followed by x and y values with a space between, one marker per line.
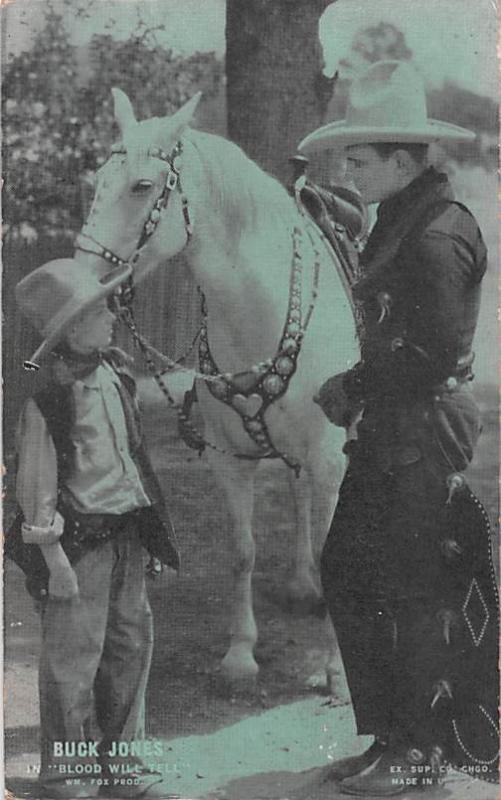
pixel 273 743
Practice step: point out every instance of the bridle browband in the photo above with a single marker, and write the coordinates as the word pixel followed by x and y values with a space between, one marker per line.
pixel 87 244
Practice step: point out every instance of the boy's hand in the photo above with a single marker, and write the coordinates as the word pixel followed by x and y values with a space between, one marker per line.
pixel 63 583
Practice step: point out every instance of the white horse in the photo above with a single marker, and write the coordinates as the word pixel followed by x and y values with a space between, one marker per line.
pixel 278 324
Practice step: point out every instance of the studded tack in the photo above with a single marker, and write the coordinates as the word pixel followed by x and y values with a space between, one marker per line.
pixel 285 366
pixel 273 384
pixel 271 376
pixel 254 425
pixel 171 181
pixel 290 346
pixel 292 328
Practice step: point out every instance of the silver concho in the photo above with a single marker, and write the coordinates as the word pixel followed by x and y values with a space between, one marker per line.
pixel 219 389
pixel 290 346
pixel 273 384
pixel 284 365
pixel 292 328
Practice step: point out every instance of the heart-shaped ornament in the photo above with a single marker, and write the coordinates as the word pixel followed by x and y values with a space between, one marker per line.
pixel 247 406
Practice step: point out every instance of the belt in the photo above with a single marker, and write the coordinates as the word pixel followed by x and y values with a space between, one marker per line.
pixel 89 530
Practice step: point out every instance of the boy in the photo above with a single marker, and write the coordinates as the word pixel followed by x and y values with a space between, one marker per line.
pixel 90 502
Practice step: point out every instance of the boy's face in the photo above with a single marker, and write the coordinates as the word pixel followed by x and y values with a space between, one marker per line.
pixel 92 330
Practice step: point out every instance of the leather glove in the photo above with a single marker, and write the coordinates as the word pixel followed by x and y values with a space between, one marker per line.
pixel 334 402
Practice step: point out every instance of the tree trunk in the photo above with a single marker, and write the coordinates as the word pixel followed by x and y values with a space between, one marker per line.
pixel 276 91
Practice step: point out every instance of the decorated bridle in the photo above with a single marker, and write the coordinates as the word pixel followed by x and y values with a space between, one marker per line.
pixel 87 243
pixel 268 381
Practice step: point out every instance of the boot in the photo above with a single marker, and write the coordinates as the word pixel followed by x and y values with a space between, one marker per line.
pixel 353 765
pixel 393 774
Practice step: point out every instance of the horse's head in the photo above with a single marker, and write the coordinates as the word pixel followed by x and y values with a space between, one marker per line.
pixel 139 190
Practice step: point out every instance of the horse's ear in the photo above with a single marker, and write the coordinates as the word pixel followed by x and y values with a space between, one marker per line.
pixel 183 116
pixel 124 113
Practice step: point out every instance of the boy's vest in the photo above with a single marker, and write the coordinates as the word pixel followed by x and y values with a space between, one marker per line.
pixel 85 531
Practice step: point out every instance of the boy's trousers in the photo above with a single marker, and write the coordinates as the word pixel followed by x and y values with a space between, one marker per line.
pixel 96 653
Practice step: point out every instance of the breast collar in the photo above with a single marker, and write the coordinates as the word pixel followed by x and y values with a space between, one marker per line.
pixel 252 392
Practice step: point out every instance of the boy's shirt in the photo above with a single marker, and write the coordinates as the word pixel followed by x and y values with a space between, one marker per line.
pixel 105 479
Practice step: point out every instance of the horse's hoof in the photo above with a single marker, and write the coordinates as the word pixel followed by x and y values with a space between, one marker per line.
pixel 238 673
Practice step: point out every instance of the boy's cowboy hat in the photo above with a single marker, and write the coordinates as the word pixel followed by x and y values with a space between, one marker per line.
pixel 386 104
pixel 53 296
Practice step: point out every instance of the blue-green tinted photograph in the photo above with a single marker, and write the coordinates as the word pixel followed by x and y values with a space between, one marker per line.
pixel 250 415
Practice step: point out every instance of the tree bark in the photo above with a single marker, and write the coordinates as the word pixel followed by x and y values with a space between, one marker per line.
pixel 276 92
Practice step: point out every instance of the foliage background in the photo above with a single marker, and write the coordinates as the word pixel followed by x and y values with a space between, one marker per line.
pixel 58 116
pixel 57 121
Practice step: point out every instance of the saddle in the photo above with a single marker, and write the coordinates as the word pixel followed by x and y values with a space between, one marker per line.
pixel 338 212
pixel 335 208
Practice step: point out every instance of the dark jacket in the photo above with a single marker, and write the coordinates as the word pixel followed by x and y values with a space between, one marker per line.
pixel 419 298
pixel 419 293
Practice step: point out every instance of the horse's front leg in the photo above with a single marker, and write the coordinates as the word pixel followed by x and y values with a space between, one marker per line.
pixel 303 592
pixel 326 471
pixel 239 668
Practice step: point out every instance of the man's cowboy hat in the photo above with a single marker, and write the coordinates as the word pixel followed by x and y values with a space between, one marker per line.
pixel 386 104
pixel 53 296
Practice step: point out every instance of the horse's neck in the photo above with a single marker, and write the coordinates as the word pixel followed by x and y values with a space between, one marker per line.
pixel 246 285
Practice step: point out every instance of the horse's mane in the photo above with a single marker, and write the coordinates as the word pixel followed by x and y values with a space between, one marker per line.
pixel 238 187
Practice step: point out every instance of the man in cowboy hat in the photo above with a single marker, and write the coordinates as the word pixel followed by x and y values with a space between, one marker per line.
pixel 89 504
pixel 407 557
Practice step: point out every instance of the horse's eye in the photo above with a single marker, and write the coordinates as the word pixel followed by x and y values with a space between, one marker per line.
pixel 142 186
